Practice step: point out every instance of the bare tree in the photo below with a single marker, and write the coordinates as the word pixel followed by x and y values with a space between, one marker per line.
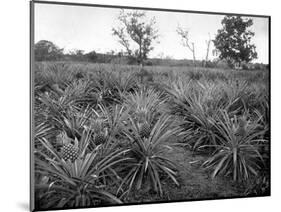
pixel 135 29
pixel 208 43
pixel 186 41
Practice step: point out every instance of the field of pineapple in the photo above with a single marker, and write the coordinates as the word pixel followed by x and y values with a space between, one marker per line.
pixel 116 134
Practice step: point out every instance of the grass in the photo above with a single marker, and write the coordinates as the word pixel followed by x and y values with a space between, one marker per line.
pixel 163 133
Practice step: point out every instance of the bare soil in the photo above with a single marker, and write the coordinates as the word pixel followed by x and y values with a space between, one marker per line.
pixel 195 182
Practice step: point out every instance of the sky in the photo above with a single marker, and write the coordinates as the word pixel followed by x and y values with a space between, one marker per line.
pixel 90 28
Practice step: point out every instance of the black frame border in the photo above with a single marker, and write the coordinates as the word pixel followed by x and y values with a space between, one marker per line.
pixel 31 74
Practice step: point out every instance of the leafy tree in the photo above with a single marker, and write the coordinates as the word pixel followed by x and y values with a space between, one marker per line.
pixel 234 40
pixel 136 34
pixel 46 50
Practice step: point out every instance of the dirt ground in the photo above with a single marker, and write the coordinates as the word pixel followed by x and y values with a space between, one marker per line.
pixel 195 182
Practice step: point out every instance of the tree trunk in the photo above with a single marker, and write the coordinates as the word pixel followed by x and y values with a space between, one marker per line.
pixel 193 52
pixel 140 55
pixel 207 53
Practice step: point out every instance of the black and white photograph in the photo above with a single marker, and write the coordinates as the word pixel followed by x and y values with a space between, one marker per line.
pixel 136 105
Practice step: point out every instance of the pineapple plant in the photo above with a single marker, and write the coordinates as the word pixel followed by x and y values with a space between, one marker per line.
pixel 237 154
pixel 69 150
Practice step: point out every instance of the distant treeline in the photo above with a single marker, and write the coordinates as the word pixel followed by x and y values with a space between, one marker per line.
pixel 47 51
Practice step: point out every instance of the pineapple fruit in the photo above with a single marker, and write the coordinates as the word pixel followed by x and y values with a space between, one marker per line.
pixel 240 132
pixel 99 131
pixel 144 130
pixel 144 127
pixel 99 138
pixel 69 150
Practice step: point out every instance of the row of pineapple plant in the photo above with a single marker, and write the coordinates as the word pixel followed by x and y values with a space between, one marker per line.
pixel 89 120
pixel 224 123
pixel 91 137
